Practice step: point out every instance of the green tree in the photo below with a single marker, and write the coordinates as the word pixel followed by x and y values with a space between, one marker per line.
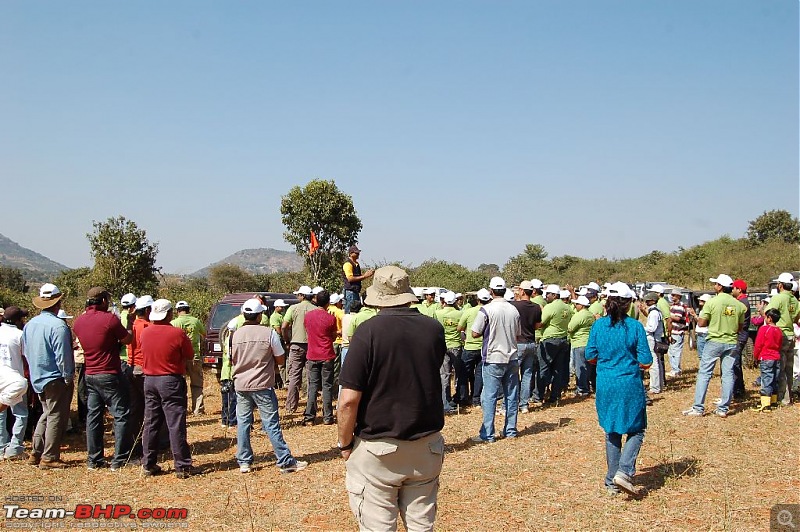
pixel 124 260
pixel 448 275
pixel 321 207
pixel 774 225
pixel 532 262
pixel 13 279
pixel 229 278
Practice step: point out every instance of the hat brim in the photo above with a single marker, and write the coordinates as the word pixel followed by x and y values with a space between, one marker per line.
pixel 45 303
pixel 157 316
pixel 375 299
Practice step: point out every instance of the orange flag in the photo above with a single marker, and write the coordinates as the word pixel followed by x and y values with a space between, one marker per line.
pixel 314 244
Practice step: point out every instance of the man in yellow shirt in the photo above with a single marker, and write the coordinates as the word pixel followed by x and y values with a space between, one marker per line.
pixel 352 277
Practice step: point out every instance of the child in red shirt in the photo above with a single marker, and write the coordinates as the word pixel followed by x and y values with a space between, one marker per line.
pixel 767 351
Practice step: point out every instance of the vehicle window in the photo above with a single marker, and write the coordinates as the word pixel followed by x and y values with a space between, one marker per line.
pixel 222 314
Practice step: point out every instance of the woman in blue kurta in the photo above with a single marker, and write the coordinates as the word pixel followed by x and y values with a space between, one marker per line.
pixel 618 346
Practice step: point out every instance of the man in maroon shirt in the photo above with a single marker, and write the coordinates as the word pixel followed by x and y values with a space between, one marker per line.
pixel 165 350
pixel 101 335
pixel 321 328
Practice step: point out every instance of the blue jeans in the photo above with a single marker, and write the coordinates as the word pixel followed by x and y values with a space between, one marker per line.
pixel 267 403
pixel 527 356
pixel 349 297
pixel 769 376
pixel 581 369
pixel 701 343
pixel 712 352
pixel 108 389
pixel 14 444
pixel 621 458
pixel 675 352
pixel 497 377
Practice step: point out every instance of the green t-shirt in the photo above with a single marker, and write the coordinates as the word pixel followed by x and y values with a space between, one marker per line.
pixel 193 328
pixel 361 316
pixel 275 321
pixel 240 320
pixel 788 306
pixel 555 320
pixel 465 307
pixel 123 352
pixel 579 326
pixel 449 318
pixel 428 308
pixel 596 308
pixel 663 307
pixel 465 323
pixel 539 300
pixel 725 316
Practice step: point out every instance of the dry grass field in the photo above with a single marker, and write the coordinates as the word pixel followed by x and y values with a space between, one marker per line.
pixel 701 473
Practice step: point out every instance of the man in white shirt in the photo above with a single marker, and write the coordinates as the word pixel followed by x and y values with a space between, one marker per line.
pixel 12 446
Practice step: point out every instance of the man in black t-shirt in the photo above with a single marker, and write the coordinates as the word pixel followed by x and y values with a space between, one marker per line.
pixel 530 315
pixel 390 410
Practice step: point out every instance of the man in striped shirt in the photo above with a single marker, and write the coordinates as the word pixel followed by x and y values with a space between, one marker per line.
pixel 679 314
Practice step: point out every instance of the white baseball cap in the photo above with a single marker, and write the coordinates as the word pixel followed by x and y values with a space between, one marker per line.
pixel 159 309
pixel 428 291
pixel 582 300
pixel 552 289
pixel 316 290
pixel 127 300
pixel 705 297
pixel 449 297
pixel 564 293
pixel 620 289
pixel 537 284
pixel 279 303
pixel 63 315
pixel 509 295
pixel 594 286
pixel 722 279
pixel 484 295
pixel 253 306
pixel 335 298
pixel 659 289
pixel 785 277
pixel 304 290
pixel 144 302
pixel 181 304
pixel 232 325
pixel 497 283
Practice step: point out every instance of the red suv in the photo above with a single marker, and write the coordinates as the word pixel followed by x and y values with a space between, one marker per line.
pixel 224 311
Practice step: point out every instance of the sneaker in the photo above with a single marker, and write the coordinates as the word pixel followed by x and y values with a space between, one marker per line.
pixel 19 456
pixel 612 491
pixel 623 482
pixel 478 439
pixel 34 459
pixel 244 468
pixel 720 413
pixel 580 395
pixel 96 466
pixel 187 472
pixel 52 464
pixel 151 471
pixel 692 412
pixel 524 410
pixel 298 465
pixel 329 422
pixel 116 467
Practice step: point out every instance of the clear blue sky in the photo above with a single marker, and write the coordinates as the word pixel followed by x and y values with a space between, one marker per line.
pixel 463 130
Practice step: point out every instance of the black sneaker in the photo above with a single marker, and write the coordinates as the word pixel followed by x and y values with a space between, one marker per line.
pixel 151 471
pixel 187 472
pixel 96 466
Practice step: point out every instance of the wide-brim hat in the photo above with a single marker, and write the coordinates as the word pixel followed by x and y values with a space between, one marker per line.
pixel 390 288
pixel 49 295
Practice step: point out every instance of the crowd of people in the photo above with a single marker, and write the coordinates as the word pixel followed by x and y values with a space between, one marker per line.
pixel 389 369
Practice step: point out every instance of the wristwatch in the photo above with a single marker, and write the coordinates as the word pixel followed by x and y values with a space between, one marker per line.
pixel 346 447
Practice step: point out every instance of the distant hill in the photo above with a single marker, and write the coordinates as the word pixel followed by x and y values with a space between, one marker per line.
pixel 36 267
pixel 261 260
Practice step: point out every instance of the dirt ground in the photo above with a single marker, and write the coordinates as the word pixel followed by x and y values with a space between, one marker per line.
pixel 701 473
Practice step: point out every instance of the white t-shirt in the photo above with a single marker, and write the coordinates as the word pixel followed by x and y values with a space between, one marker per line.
pixel 500 324
pixel 11 348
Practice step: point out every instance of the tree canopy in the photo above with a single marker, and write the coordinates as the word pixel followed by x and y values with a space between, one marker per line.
pixel 774 225
pixel 124 259
pixel 321 207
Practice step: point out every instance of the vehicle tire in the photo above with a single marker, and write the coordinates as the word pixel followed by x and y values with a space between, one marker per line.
pixel 747 355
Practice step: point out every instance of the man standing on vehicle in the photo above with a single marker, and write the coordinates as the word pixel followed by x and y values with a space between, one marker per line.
pixel 47 346
pixel 352 277
pixel 195 330
pixel 787 304
pixel 294 333
pixel 390 411
pixel 100 334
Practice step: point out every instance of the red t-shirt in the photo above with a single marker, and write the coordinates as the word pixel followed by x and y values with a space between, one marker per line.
pixel 135 349
pixel 768 343
pixel 321 329
pixel 99 333
pixel 165 350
